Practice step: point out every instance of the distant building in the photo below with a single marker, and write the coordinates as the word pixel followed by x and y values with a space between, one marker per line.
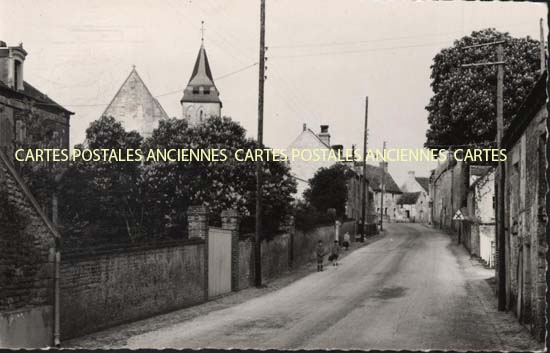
pixel 413 207
pixel 135 106
pixel 378 176
pixel 479 225
pixel 414 203
pixel 27 116
pixel 301 168
pixel 201 98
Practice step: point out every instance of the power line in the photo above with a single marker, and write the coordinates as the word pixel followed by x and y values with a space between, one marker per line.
pixel 355 51
pixel 160 95
pixel 342 43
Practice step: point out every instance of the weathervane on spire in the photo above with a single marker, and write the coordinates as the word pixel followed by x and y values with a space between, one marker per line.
pixel 202 32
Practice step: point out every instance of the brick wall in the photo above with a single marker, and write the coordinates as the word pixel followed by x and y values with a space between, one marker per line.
pixel 100 291
pixel 27 244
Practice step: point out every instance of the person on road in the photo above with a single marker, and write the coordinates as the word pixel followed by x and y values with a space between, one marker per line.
pixel 320 255
pixel 334 253
pixel 347 240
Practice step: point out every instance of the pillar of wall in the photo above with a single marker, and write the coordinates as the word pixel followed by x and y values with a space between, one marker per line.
pixel 197 218
pixel 230 221
pixel 197 226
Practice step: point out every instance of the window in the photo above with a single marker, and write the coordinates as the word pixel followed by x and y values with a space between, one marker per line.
pixel 17 75
pixel 206 90
pixel 20 131
pixel 195 90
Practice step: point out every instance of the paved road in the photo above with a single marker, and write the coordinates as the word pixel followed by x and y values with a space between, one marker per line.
pixel 413 289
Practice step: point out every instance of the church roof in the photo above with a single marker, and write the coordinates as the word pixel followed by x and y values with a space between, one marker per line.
pixel 201 87
pixel 135 105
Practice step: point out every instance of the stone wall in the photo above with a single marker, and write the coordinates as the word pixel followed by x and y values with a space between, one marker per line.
pixel 104 290
pixel 305 243
pixel 448 190
pixel 245 269
pixel 276 256
pixel 27 245
pixel 525 216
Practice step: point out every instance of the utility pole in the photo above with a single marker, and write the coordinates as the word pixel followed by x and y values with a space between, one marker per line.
pixel 500 235
pixel 542 49
pixel 382 187
pixel 258 236
pixel 364 183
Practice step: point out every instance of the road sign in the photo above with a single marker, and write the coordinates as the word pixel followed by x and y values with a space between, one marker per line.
pixel 459 216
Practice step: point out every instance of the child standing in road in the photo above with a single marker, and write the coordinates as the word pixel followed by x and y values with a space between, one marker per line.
pixel 334 253
pixel 320 255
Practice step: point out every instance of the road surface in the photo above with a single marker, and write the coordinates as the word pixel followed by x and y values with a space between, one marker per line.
pixel 413 289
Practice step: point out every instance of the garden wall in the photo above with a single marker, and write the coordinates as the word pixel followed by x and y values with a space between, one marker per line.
pixel 104 290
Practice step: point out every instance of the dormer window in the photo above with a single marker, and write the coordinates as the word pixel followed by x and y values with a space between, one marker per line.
pixel 206 90
pixel 195 90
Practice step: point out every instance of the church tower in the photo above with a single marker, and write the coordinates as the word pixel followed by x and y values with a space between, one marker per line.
pixel 201 97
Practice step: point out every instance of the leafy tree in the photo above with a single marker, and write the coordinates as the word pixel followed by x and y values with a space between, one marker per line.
pixel 328 189
pixel 172 187
pixel 101 198
pixel 463 107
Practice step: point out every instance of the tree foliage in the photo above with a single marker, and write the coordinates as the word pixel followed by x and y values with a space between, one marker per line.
pixel 463 107
pixel 102 199
pixel 328 189
pixel 219 185
pixel 123 201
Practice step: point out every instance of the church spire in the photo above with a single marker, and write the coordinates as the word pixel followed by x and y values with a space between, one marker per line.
pixel 201 97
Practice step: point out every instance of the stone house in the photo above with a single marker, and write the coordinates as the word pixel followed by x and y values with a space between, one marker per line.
pixel 28 261
pixel 26 114
pixel 414 204
pixel 413 207
pixel 478 234
pixel 135 106
pixel 378 176
pixel 525 212
pixel 449 183
pixel 301 169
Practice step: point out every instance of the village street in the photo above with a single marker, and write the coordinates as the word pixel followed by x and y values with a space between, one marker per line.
pixel 414 288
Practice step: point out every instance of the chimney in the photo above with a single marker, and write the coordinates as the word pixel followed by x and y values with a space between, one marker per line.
pixel 338 149
pixel 305 127
pixel 384 166
pixel 411 174
pixel 11 65
pixel 324 135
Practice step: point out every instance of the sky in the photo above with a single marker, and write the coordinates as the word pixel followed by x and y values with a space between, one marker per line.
pixel 324 58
